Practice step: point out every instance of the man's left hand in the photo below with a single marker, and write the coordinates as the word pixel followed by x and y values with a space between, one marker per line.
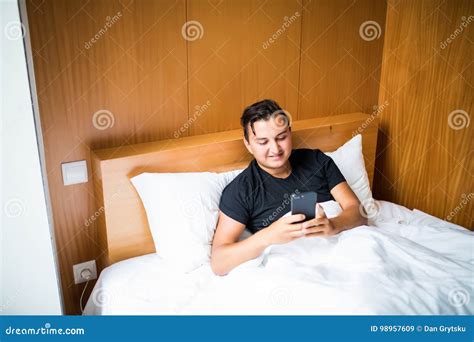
pixel 319 226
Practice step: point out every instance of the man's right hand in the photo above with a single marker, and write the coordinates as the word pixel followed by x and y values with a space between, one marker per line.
pixel 284 230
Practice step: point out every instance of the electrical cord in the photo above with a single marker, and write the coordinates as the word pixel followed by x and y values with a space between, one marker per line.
pixel 80 302
pixel 85 274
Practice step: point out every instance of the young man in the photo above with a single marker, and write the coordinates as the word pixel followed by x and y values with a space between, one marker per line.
pixel 257 197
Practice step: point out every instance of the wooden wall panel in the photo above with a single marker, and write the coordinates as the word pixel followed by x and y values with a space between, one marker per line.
pixel 425 159
pixel 249 50
pixel 135 71
pixel 340 67
pixel 155 85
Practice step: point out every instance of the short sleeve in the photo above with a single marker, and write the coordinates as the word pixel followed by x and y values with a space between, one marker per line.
pixel 234 201
pixel 331 171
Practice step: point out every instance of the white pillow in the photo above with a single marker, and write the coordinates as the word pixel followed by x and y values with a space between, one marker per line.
pixel 182 211
pixel 350 161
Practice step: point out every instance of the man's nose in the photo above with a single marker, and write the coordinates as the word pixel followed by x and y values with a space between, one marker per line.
pixel 274 148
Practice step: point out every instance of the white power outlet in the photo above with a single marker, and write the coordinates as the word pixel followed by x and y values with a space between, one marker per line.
pixel 79 268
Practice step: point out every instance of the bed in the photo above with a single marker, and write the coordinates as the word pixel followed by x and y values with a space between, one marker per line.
pixel 403 262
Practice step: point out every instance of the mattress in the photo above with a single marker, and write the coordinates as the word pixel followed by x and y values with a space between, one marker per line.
pixel 405 262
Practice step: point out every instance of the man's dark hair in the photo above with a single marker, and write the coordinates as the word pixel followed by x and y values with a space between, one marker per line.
pixel 262 110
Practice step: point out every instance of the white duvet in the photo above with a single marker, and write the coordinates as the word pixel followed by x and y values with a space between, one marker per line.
pixel 406 262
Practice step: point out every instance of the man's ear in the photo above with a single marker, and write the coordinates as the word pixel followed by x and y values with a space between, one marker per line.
pixel 247 144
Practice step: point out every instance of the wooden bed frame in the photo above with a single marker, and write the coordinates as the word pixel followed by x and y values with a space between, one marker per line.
pixel 122 225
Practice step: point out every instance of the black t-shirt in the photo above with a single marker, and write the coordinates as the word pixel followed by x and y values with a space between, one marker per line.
pixel 256 199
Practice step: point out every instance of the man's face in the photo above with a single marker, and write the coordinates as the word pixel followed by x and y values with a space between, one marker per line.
pixel 271 144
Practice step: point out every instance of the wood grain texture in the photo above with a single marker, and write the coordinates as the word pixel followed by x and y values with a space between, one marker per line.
pixel 135 72
pixel 123 227
pixel 340 71
pixel 235 64
pixel 425 159
pixel 129 59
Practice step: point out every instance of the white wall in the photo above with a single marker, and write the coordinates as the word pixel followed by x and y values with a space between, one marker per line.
pixel 29 280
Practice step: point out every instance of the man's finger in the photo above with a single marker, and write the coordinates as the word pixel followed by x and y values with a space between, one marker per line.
pixel 297 233
pixel 292 227
pixel 310 223
pixel 320 211
pixel 315 229
pixel 318 234
pixel 315 222
pixel 295 218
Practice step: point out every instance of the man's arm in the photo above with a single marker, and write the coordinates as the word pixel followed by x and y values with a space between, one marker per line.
pixel 227 253
pixel 350 216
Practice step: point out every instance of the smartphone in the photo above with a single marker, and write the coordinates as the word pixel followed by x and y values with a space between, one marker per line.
pixel 304 203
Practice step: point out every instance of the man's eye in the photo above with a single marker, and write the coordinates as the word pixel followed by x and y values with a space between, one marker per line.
pixel 282 137
pixel 262 143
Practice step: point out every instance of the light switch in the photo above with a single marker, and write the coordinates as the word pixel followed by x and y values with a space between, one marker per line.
pixel 74 172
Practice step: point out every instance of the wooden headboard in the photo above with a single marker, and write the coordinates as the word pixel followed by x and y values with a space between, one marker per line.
pixel 121 220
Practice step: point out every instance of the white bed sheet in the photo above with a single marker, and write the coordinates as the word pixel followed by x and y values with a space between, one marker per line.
pixel 405 262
